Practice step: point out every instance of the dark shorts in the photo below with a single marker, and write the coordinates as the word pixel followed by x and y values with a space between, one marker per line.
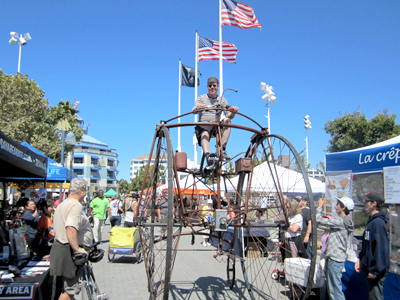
pixel 198 130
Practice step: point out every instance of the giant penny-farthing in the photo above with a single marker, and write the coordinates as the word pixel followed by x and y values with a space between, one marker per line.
pixel 273 168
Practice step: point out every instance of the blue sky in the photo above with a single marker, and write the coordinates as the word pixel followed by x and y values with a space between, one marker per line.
pixel 120 60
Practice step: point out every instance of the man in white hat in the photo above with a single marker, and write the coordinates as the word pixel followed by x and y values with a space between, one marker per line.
pixel 340 228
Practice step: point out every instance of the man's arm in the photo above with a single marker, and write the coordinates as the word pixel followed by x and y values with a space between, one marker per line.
pixel 72 235
pixel 308 233
pixel 109 211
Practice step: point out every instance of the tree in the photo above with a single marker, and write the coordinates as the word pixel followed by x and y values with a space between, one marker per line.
pixel 124 186
pixel 26 116
pixel 137 182
pixel 352 131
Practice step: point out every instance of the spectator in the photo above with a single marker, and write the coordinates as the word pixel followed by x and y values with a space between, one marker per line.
pixel 99 206
pixel 72 232
pixel 307 226
pixel 340 228
pixel 208 214
pixel 195 206
pixel 45 231
pixel 162 212
pixel 374 256
pixel 130 211
pixel 293 243
pixel 116 211
pixel 260 216
pixel 31 218
pixel 22 201
pixel 264 202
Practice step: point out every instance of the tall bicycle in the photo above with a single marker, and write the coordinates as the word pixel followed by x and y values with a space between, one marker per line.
pixel 269 165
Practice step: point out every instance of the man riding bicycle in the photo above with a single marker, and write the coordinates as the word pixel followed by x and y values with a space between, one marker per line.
pixel 204 132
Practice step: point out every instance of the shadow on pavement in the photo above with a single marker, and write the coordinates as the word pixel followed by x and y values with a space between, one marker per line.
pixel 209 288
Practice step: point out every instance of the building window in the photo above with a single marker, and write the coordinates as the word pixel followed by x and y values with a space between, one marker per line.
pixel 110 163
pixel 93 181
pixel 94 174
pixel 78 160
pixel 94 161
pixel 78 171
pixel 110 174
pixel 110 182
pixel 85 148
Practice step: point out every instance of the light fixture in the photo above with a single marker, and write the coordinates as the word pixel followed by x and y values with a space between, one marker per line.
pixel 270 98
pixel 307 126
pixel 22 41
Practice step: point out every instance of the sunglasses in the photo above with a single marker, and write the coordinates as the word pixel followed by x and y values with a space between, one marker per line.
pixel 212 85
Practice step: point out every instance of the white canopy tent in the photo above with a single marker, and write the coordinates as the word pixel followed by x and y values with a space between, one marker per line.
pixel 290 181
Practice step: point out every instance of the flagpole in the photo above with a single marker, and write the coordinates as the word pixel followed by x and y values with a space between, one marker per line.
pixel 221 78
pixel 179 105
pixel 195 95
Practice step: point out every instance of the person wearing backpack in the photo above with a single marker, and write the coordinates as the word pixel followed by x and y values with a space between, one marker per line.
pixel 130 211
pixel 116 211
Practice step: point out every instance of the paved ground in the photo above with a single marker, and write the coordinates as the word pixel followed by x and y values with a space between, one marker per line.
pixel 196 275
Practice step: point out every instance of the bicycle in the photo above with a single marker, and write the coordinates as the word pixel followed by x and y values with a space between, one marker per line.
pixel 87 282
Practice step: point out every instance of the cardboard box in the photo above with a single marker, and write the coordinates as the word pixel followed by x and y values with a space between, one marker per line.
pixel 297 270
pixel 252 250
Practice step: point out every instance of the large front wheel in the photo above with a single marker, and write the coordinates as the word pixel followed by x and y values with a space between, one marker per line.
pixel 277 177
pixel 159 237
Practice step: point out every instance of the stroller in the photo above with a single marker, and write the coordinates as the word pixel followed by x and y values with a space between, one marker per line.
pixel 125 241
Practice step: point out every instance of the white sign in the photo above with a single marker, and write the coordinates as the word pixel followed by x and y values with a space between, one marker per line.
pixel 391 179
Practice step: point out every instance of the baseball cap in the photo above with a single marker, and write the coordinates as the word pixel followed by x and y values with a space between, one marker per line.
pixel 212 79
pixel 297 198
pixel 210 201
pixel 348 202
pixel 373 196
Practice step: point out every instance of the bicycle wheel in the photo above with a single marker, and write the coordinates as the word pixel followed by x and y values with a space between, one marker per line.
pixel 159 248
pixel 89 287
pixel 278 173
pixel 230 270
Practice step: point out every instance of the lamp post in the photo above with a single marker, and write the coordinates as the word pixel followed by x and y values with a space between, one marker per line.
pixel 270 98
pixel 22 42
pixel 307 126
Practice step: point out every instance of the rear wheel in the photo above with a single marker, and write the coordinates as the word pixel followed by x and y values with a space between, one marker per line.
pixel 278 173
pixel 160 243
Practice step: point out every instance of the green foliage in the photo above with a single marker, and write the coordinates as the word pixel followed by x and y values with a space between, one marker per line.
pixel 137 182
pixel 352 131
pixel 26 116
pixel 124 186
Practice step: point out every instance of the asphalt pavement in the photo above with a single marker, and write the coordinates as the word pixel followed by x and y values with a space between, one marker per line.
pixel 196 274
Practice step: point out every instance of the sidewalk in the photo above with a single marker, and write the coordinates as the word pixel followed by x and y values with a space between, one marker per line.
pixel 196 275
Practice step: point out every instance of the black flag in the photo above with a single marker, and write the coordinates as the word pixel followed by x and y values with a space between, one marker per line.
pixel 188 76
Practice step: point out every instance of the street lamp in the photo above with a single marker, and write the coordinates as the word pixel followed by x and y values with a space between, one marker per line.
pixel 22 42
pixel 270 97
pixel 307 126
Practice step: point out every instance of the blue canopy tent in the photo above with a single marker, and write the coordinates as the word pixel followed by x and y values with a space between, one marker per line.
pixel 55 171
pixel 370 159
pixel 367 159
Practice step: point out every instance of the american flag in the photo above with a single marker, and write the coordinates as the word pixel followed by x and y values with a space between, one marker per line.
pixel 209 50
pixel 238 14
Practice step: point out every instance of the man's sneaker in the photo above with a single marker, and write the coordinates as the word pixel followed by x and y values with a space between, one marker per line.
pixel 205 244
pixel 211 159
pixel 208 244
pixel 225 156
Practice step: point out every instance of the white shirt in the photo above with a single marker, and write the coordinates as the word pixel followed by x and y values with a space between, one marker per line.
pixel 297 219
pixel 114 204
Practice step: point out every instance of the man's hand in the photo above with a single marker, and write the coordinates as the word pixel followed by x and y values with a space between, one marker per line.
pixel 234 108
pixel 371 276
pixel 357 266
pixel 35 214
pixel 201 105
pixel 80 251
pixel 321 202
pixel 306 239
